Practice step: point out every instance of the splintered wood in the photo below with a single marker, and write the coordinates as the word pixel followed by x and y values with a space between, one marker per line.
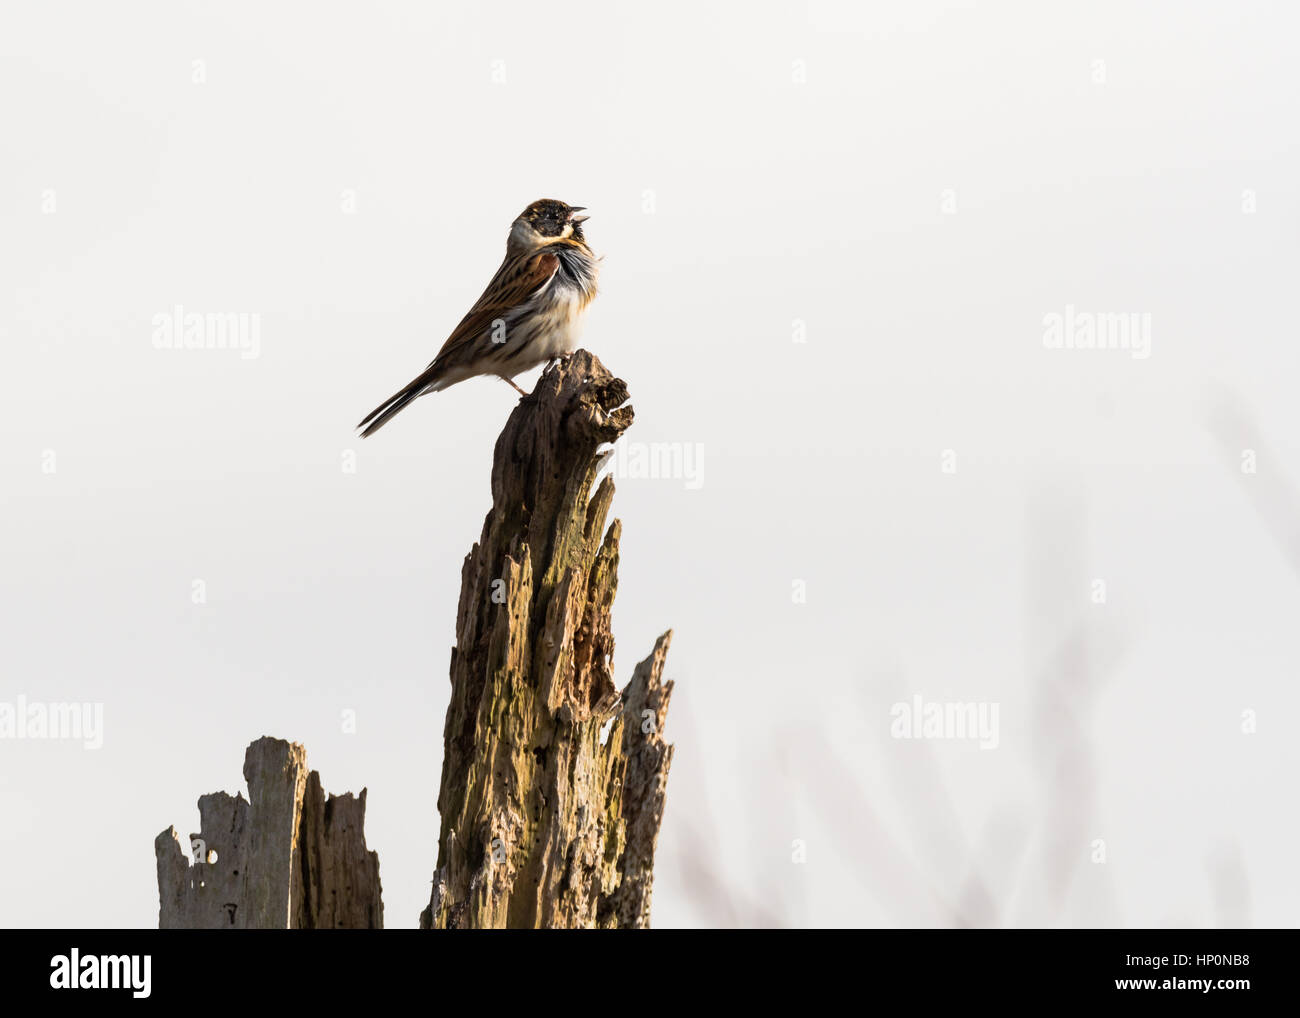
pixel 545 822
pixel 285 858
pixel 553 783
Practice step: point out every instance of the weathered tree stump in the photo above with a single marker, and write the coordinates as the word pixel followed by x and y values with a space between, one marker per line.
pixel 545 823
pixel 285 858
pixel 552 785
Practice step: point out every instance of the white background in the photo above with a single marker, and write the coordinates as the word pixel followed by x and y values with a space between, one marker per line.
pixel 919 185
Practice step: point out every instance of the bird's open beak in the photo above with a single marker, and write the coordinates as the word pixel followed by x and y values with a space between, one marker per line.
pixel 578 220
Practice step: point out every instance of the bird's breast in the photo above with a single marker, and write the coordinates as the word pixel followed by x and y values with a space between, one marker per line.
pixel 576 272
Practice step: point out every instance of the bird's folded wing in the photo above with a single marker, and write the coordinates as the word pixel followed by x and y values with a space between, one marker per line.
pixel 515 282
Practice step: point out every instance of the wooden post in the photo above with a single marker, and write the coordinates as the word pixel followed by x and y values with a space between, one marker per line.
pixel 285 858
pixel 552 783
pixel 547 819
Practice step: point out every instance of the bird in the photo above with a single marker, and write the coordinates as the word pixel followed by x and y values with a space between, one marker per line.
pixel 530 313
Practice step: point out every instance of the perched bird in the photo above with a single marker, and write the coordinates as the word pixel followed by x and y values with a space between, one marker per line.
pixel 530 313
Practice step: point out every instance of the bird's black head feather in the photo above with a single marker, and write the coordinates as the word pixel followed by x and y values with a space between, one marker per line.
pixel 549 218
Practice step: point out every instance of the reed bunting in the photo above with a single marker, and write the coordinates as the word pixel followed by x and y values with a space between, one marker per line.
pixel 530 312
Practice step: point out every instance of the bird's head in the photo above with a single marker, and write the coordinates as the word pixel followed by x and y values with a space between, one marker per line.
pixel 545 222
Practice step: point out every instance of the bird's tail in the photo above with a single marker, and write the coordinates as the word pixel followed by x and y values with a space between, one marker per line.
pixel 390 407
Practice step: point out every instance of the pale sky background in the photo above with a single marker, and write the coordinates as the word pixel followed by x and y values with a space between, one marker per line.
pixel 919 185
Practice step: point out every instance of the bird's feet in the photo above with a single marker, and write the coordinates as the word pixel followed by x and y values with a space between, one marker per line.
pixel 511 382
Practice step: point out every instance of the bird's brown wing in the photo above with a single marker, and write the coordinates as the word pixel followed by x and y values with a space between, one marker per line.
pixel 517 280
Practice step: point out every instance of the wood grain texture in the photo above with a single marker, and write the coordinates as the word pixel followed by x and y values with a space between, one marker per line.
pixel 544 816
pixel 285 858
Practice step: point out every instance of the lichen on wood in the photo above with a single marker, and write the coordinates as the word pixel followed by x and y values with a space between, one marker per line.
pixel 547 819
